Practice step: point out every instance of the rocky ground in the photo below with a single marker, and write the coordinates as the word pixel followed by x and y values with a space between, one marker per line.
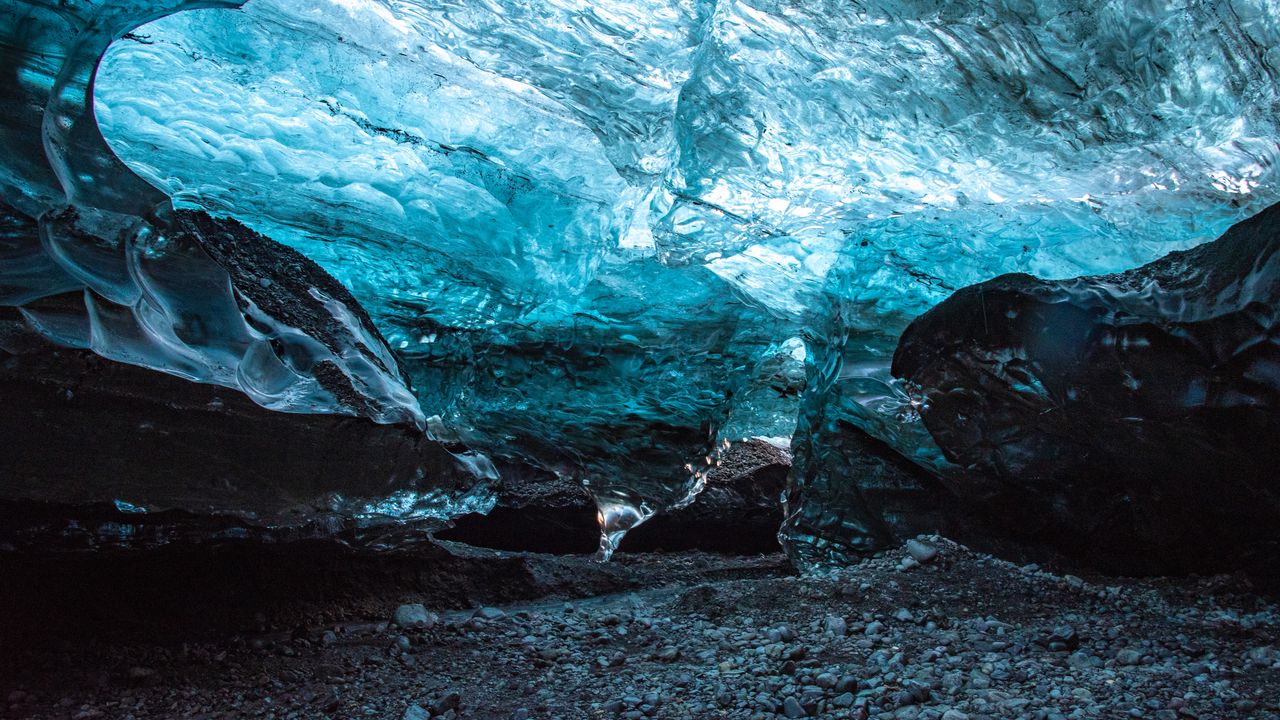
pixel 931 630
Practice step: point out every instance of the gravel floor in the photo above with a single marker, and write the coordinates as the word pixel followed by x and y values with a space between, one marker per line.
pixel 959 635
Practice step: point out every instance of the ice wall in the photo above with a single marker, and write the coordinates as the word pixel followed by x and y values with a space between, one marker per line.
pixel 603 237
pixel 153 287
pixel 93 257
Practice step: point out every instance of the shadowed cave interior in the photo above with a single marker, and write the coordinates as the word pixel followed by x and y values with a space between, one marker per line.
pixel 714 359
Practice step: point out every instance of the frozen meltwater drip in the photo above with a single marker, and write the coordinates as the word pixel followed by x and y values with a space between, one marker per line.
pixel 128 507
pixel 616 517
pixel 619 511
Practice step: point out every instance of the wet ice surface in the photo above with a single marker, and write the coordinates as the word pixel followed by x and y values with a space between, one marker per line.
pixel 602 238
pixel 582 223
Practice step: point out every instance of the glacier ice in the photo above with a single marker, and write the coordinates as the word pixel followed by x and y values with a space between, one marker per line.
pixel 97 258
pixel 193 460
pixel 1130 415
pixel 604 237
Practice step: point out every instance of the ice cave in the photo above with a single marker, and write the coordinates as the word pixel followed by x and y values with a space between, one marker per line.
pixel 423 359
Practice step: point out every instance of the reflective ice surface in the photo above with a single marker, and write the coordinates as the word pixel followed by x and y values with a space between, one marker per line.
pixel 596 233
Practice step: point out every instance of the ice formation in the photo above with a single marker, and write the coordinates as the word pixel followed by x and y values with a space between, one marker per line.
pixel 603 237
pixel 1133 414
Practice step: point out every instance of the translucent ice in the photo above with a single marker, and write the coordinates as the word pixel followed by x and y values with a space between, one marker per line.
pixel 595 234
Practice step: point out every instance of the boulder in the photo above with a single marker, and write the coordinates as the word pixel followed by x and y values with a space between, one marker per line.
pixel 1132 419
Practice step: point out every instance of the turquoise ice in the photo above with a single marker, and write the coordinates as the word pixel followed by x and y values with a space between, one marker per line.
pixel 606 237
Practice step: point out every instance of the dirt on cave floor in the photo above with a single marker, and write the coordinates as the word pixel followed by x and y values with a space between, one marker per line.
pixel 302 630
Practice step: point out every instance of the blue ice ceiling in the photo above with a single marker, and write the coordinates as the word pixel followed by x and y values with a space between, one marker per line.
pixel 600 235
pixel 521 145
